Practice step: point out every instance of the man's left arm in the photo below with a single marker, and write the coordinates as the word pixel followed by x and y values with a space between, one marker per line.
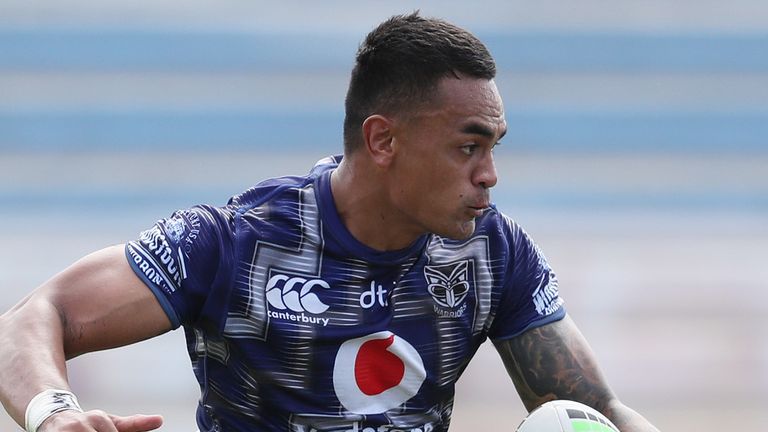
pixel 555 362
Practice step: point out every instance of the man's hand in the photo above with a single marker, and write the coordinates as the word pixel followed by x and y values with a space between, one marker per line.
pixel 99 421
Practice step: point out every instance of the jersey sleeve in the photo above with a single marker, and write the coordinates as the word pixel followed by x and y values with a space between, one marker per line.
pixel 530 296
pixel 180 258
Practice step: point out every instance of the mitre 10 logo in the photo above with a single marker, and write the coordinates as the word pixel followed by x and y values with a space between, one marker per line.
pixel 376 373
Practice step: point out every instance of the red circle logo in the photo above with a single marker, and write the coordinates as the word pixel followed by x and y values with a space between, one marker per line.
pixel 376 373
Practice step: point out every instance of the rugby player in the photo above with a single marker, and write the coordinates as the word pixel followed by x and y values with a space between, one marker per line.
pixel 348 299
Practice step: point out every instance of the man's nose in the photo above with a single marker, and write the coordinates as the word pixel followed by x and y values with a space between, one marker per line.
pixel 486 173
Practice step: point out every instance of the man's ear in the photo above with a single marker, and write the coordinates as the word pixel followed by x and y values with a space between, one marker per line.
pixel 378 139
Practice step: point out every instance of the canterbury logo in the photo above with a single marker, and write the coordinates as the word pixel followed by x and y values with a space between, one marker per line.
pixel 295 294
pixel 448 284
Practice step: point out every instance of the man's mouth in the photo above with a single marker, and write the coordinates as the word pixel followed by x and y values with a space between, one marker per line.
pixel 477 210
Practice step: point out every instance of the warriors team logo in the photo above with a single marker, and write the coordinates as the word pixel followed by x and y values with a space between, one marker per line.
pixel 376 373
pixel 448 284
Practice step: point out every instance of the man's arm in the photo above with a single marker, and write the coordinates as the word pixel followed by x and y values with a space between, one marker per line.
pixel 97 303
pixel 555 362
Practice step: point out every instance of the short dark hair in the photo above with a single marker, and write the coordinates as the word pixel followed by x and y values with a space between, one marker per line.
pixel 399 64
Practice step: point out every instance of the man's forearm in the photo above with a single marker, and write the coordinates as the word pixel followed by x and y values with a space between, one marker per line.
pixel 555 362
pixel 32 355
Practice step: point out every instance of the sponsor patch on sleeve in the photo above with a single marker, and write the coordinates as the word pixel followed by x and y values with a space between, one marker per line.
pixel 151 271
pixel 546 298
pixel 158 257
pixel 161 253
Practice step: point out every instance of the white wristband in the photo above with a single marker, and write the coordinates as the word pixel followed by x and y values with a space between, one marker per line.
pixel 46 404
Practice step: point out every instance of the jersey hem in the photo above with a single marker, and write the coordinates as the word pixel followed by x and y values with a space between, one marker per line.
pixel 164 302
pixel 554 317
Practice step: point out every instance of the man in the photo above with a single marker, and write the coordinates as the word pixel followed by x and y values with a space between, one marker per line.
pixel 348 299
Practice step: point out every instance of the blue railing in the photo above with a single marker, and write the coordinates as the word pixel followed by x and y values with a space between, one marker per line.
pixel 131 51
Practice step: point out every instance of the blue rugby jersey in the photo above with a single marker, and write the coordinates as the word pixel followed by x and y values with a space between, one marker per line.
pixel 294 325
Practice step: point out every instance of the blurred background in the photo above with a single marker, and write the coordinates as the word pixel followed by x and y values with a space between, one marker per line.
pixel 637 157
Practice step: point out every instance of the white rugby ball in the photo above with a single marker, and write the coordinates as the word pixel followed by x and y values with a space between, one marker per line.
pixel 566 416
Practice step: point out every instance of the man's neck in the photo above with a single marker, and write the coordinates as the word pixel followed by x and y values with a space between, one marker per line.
pixel 364 208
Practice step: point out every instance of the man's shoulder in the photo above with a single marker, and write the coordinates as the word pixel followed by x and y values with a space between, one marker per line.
pixel 276 187
pixel 267 189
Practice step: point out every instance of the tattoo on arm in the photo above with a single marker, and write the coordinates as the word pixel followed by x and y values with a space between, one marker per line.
pixel 554 362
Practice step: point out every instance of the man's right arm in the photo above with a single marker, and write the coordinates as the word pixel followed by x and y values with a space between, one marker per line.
pixel 95 304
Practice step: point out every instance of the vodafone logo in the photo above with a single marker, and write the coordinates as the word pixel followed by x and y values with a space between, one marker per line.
pixel 376 373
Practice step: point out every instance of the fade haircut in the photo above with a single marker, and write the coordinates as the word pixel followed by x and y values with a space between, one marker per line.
pixel 399 65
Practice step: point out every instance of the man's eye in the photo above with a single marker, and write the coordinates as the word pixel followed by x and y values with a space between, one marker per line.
pixel 469 149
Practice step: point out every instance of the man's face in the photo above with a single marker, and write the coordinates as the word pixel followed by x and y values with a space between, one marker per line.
pixel 443 166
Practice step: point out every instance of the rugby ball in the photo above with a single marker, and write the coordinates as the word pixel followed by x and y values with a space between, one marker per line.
pixel 566 416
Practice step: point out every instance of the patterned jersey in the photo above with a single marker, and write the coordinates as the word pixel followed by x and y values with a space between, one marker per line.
pixel 294 325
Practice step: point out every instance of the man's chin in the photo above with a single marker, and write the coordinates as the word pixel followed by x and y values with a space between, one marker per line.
pixel 461 232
